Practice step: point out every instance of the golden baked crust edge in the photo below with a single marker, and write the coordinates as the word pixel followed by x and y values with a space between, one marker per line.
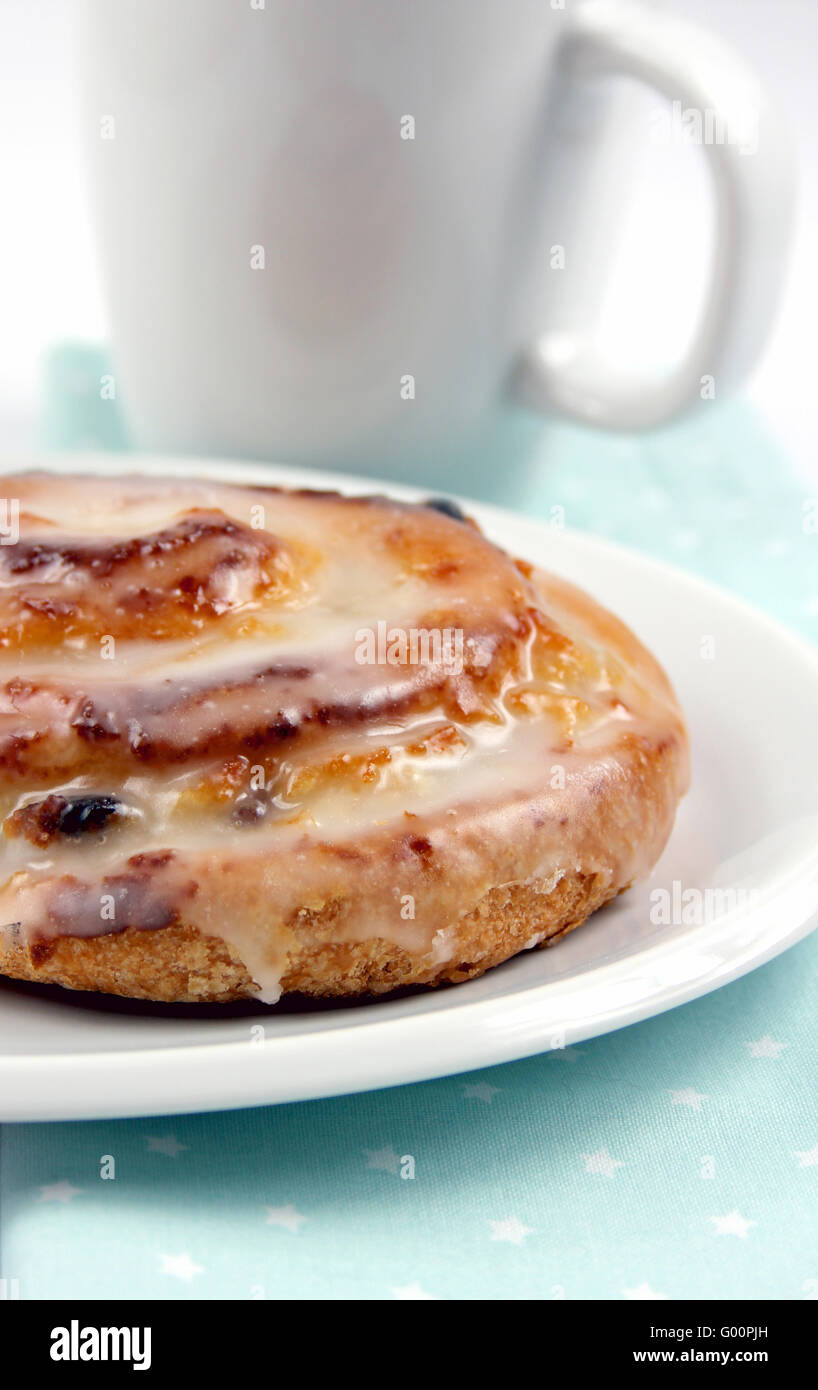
pixel 179 964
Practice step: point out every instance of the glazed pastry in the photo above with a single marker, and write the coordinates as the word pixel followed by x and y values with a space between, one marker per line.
pixel 255 741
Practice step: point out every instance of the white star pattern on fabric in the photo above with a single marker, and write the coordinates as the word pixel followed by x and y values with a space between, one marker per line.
pixel 385 1160
pixel 732 1224
pixel 807 1158
pixel 692 1099
pixel 412 1293
pixel 180 1266
pixel 166 1144
pixel 59 1192
pixel 482 1091
pixel 642 1292
pixel 765 1047
pixel 602 1163
pixel 510 1230
pixel 285 1216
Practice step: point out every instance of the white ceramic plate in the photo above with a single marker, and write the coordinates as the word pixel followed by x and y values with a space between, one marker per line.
pixel 745 843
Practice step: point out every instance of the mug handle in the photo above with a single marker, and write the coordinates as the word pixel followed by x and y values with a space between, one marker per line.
pixel 754 191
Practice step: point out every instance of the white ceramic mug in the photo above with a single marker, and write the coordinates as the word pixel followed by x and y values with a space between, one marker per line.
pixel 327 226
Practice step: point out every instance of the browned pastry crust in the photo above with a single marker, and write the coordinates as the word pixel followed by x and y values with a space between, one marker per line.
pixel 236 804
pixel 179 965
